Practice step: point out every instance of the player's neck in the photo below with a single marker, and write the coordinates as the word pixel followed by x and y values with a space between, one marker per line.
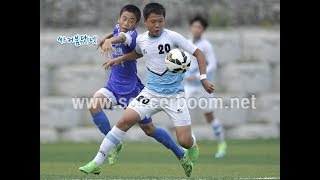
pixel 151 36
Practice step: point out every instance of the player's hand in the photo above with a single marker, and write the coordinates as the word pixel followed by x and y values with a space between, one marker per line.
pixel 100 44
pixel 192 78
pixel 207 85
pixel 111 62
pixel 107 48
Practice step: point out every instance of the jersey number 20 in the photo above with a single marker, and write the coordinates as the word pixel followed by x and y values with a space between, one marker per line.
pixel 166 48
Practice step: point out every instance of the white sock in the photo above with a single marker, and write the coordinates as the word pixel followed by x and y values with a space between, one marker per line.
pixel 218 130
pixel 113 138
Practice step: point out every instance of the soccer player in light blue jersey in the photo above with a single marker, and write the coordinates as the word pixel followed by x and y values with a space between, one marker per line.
pixel 124 84
pixel 163 90
pixel 193 87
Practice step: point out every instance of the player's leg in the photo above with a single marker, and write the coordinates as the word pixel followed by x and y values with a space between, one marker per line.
pixel 214 122
pixel 188 140
pixel 179 114
pixel 102 99
pixel 123 100
pixel 162 136
pixel 184 136
pixel 178 111
pixel 190 147
pixel 216 126
pixel 218 132
pixel 133 114
pixel 111 140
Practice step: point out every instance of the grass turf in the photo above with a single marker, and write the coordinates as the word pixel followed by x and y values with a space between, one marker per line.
pixel 246 159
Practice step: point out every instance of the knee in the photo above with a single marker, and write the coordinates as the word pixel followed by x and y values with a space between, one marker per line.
pixel 94 107
pixel 148 130
pixel 209 117
pixel 209 120
pixel 128 119
pixel 125 123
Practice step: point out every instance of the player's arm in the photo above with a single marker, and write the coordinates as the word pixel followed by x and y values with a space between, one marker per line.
pixel 107 45
pixel 189 47
pixel 201 61
pixel 207 85
pixel 127 57
pixel 109 35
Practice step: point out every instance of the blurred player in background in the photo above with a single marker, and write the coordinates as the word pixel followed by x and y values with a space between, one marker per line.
pixel 153 45
pixel 193 87
pixel 123 84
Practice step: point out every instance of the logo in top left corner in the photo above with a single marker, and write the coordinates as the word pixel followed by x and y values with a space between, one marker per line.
pixel 78 40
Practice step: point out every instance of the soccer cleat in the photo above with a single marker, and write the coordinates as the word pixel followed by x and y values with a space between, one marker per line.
pixel 92 167
pixel 222 150
pixel 113 155
pixel 186 163
pixel 194 153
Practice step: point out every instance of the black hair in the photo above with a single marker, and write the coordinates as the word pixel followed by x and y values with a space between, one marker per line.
pixel 202 20
pixel 133 9
pixel 155 8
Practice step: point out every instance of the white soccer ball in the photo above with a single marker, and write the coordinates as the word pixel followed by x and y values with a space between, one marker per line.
pixel 177 61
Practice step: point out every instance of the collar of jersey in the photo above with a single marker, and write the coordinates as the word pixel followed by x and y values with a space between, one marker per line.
pixel 152 37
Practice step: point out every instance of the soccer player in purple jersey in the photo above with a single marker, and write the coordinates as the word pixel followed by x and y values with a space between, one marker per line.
pixel 124 85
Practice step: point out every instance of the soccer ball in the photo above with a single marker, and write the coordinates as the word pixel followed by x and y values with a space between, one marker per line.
pixel 177 61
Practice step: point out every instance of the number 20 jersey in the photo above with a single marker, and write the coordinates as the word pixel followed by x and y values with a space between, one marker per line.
pixel 154 50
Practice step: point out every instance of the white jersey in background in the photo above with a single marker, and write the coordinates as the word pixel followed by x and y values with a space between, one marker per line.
pixel 194 89
pixel 154 50
pixel 207 49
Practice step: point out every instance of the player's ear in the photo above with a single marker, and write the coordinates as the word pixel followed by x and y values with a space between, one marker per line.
pixel 118 20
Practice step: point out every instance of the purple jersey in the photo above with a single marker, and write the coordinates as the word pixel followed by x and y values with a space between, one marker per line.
pixel 123 80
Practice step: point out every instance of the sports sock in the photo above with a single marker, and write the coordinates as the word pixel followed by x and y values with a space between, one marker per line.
pixel 163 137
pixel 112 139
pixel 102 122
pixel 218 130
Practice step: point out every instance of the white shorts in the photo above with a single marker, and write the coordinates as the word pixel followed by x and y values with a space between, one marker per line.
pixel 109 95
pixel 201 95
pixel 149 103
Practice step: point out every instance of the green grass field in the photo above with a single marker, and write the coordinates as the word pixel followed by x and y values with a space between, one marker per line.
pixel 246 159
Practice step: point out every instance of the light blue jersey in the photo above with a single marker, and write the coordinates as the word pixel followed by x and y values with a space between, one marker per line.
pixel 168 83
pixel 154 51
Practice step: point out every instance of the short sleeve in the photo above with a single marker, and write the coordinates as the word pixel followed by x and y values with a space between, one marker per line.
pixel 138 50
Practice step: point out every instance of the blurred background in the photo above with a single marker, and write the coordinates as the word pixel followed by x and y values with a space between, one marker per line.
pixel 246 39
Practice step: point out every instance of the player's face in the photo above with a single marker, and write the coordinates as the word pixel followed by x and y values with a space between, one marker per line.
pixel 127 21
pixel 154 23
pixel 196 29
